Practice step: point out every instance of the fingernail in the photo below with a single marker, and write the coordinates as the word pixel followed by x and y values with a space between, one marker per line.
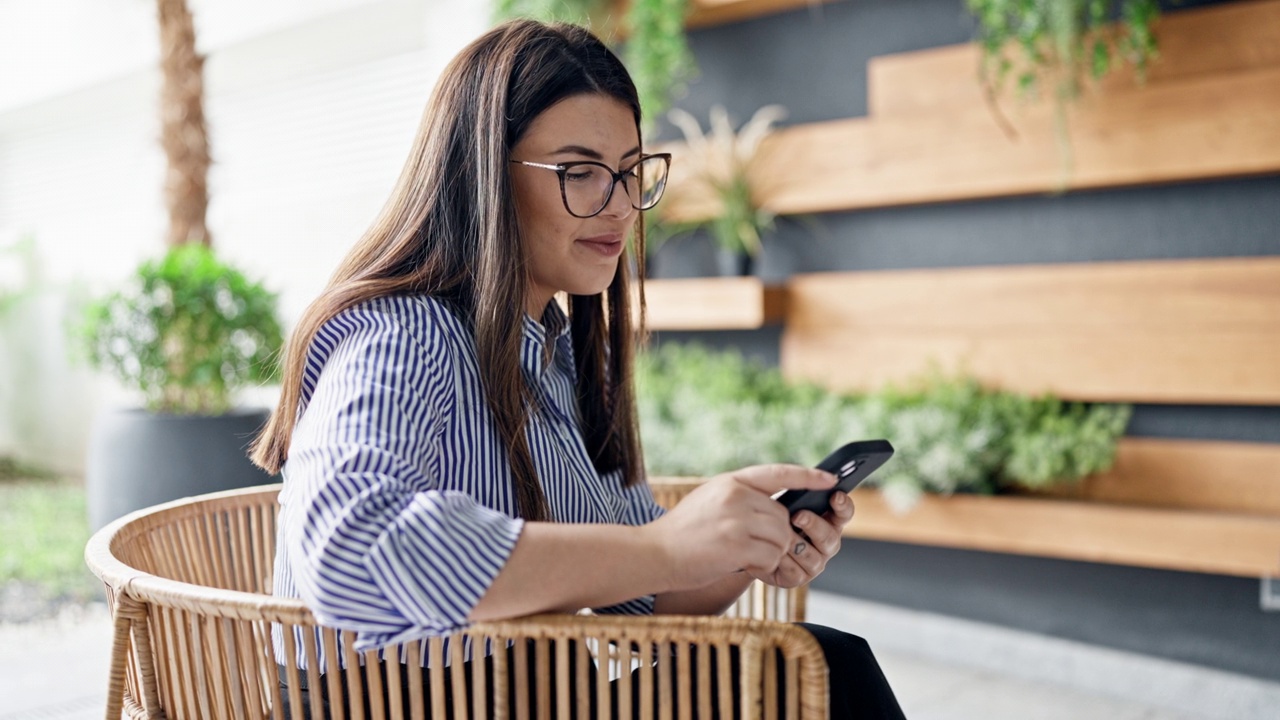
pixel 803 521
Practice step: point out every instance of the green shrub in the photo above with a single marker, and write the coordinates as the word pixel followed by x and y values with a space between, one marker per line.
pixel 704 412
pixel 187 332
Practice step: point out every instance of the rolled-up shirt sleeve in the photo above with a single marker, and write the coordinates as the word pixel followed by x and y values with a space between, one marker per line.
pixel 638 508
pixel 373 543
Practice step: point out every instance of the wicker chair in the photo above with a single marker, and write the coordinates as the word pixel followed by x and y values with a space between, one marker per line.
pixel 188 583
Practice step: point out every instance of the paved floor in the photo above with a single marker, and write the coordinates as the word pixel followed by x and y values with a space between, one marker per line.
pixel 57 670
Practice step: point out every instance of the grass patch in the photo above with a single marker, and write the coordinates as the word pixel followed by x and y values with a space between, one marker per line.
pixel 43 530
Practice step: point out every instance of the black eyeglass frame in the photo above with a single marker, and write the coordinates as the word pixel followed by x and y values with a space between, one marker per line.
pixel 563 168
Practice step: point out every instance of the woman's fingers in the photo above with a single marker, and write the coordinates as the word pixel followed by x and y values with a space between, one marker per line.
pixel 841 509
pixel 769 527
pixel 823 533
pixel 808 558
pixel 769 479
pixel 796 570
pixel 762 557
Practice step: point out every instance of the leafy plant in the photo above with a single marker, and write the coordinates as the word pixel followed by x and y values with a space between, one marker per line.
pixel 187 332
pixel 721 161
pixel 1058 43
pixel 705 412
pixel 1062 40
pixel 656 49
pixel 657 53
pixel 568 11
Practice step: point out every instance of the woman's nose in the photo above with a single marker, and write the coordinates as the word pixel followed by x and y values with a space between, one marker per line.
pixel 619 204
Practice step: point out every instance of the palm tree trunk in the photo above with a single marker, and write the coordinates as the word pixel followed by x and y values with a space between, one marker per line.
pixel 183 133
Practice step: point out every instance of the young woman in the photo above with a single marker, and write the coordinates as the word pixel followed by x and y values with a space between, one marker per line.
pixel 455 446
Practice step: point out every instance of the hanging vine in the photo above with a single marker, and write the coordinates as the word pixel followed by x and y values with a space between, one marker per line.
pixel 1061 42
pixel 656 49
pixel 1055 45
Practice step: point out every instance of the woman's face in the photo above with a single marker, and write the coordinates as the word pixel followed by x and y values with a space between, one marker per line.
pixel 566 253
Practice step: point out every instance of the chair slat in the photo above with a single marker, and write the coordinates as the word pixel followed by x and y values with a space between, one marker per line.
pixel 583 671
pixel 480 677
pixel 603 669
pixel 435 659
pixel 333 674
pixel 685 681
pixel 667 701
pixel 563 652
pixel 522 679
pixel 725 679
pixel 313 672
pixel 501 680
pixel 409 659
pixel 457 672
pixel 542 677
pixel 373 674
pixel 646 681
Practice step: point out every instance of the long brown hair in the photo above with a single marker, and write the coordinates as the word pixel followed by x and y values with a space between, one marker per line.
pixel 450 230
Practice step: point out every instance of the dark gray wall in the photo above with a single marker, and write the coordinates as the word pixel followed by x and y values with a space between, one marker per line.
pixel 813 62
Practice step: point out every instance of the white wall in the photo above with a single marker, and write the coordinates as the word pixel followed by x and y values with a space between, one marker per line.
pixel 311 104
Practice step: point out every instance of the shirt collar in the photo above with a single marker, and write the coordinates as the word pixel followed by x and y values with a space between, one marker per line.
pixel 545 341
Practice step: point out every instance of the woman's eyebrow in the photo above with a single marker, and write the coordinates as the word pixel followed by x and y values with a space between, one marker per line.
pixel 593 154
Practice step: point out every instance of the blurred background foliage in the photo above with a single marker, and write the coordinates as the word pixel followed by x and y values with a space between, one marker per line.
pixel 703 412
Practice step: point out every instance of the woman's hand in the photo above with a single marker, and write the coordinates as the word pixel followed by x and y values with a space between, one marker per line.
pixel 807 556
pixel 732 523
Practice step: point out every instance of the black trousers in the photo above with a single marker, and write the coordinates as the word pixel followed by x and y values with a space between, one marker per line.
pixel 858 688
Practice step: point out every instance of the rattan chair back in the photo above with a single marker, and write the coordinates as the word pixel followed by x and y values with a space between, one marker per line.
pixel 189 585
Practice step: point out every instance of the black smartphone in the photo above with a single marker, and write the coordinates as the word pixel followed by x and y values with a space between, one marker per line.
pixel 851 464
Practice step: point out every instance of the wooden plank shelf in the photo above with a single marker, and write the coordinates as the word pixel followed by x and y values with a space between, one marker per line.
pixel 1231 38
pixel 1189 505
pixel 1162 331
pixel 1203 475
pixel 707 13
pixel 1196 541
pixel 721 303
pixel 1213 113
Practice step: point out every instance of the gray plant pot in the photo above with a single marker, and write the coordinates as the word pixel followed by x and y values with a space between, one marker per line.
pixel 137 458
pixel 734 263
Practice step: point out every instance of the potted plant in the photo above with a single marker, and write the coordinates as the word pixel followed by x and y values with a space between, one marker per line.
pixel 720 162
pixel 185 333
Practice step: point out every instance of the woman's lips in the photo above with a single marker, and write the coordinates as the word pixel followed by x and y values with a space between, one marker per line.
pixel 607 245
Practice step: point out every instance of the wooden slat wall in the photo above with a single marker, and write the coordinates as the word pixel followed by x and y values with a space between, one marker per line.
pixel 1202 331
pixel 1215 476
pixel 1234 38
pixel 709 13
pixel 729 303
pixel 1183 331
pixel 1214 113
pixel 1173 539
pixel 706 13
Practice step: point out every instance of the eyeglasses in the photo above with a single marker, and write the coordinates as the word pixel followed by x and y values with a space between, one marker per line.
pixel 586 186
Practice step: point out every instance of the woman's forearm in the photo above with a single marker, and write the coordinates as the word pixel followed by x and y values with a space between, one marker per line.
pixel 563 567
pixel 713 599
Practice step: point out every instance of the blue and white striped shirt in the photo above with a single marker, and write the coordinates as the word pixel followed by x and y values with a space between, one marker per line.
pixel 398 507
